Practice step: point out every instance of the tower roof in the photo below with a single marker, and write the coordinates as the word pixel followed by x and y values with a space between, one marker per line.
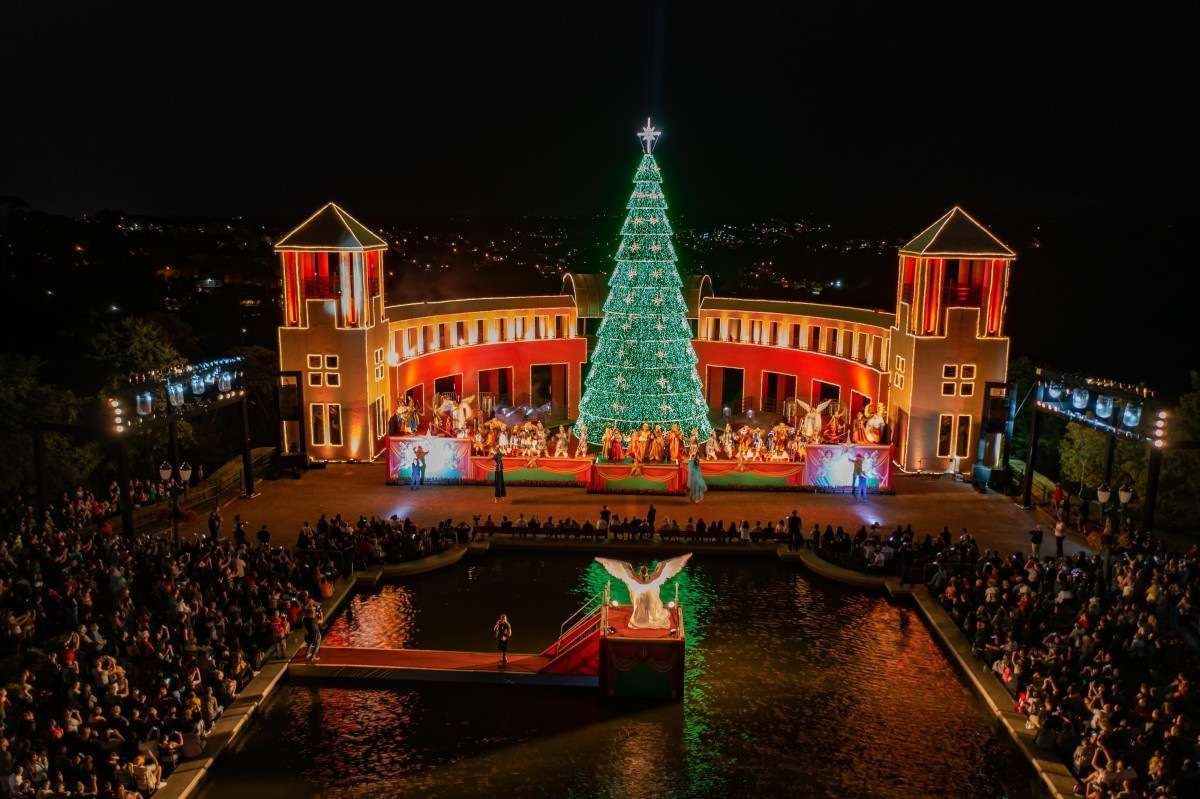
pixel 331 228
pixel 957 235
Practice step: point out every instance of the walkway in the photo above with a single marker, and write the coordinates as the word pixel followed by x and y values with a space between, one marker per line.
pixel 343 664
pixel 352 489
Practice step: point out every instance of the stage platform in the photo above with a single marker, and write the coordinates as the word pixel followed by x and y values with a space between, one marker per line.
pixel 642 663
pixel 360 664
pixel 637 478
pixel 825 467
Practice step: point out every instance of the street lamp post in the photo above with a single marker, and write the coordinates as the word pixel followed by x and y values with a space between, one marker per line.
pixel 168 473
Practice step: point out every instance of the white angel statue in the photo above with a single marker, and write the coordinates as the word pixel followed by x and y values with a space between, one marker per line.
pixel 810 425
pixel 648 610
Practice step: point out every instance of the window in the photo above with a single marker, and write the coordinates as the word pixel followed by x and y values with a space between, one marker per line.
pixel 460 333
pixel 378 373
pixel 479 336
pixel 962 444
pixel 314 361
pixel 331 362
pixel 519 328
pixel 774 340
pixel 333 379
pixel 560 325
pixel 950 371
pixel 966 389
pixel 796 336
pixel 947 389
pixel 335 424
pixel 863 341
pixel 315 379
pixel 756 331
pixel 814 337
pixel 378 417
pixel 503 323
pixel 833 341
pixel 968 371
pixel 945 435
pixel 379 355
pixel 898 372
pixel 317 415
pixel 714 329
pixel 735 329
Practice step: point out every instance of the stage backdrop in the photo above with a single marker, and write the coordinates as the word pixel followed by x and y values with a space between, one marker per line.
pixel 832 465
pixel 445 458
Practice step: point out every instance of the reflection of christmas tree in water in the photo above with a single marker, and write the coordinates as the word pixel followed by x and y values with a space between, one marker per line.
pixel 643 369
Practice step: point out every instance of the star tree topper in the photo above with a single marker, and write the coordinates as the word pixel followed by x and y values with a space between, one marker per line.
pixel 649 136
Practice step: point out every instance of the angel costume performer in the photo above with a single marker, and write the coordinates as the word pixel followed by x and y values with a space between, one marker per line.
pixel 648 610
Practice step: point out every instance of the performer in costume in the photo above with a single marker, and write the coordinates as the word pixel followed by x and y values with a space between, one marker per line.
pixel 499 481
pixel 648 610
pixel 561 441
pixel 696 485
pixel 581 447
pixel 656 445
pixel 617 447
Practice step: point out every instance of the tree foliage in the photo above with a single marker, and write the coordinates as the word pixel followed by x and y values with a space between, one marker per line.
pixel 26 399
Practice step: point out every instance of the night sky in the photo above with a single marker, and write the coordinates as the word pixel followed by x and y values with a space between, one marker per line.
pixel 767 109
pixel 1076 133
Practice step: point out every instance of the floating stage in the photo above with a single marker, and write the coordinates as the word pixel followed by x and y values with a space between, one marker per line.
pixel 825 467
pixel 596 648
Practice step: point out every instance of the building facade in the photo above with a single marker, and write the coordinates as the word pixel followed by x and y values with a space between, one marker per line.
pixel 928 362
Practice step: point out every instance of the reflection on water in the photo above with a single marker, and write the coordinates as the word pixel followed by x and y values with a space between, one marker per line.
pixel 791 689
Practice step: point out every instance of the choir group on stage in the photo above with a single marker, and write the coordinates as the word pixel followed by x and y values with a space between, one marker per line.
pixel 649 443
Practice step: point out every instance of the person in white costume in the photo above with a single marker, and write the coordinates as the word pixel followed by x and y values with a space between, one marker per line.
pixel 648 610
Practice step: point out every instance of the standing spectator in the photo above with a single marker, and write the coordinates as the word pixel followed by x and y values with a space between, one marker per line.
pixel 214 524
pixel 264 535
pixel 279 628
pixel 1060 535
pixel 1035 542
pixel 651 514
pixel 795 534
pixel 312 636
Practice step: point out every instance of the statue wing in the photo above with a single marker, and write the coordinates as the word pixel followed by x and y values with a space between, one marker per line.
pixel 619 569
pixel 821 408
pixel 667 569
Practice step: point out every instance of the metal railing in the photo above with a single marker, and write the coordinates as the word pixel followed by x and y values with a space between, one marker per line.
pixel 149 518
pixel 580 623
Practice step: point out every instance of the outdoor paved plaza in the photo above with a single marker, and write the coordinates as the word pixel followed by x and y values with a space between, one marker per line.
pixel 352 489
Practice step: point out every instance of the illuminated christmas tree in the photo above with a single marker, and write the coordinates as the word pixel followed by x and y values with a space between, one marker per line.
pixel 644 368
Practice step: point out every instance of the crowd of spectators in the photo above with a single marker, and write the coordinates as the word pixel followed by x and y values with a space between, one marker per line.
pixel 611 527
pixel 83 505
pixel 1099 652
pixel 117 655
